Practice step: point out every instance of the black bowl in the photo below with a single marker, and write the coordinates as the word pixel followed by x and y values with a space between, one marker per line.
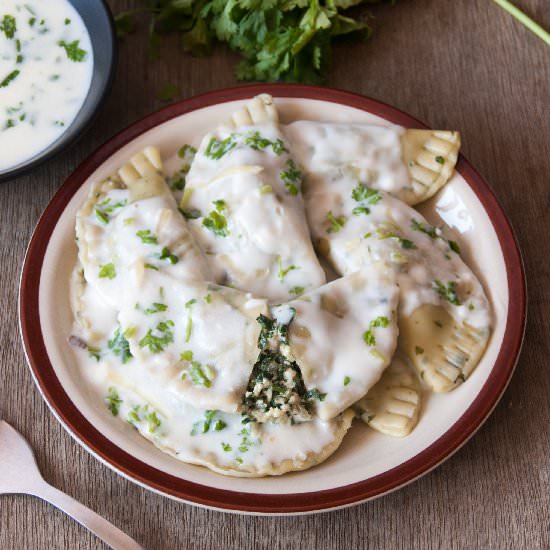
pixel 99 22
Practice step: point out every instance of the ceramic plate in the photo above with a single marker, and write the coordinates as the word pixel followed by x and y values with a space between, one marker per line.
pixel 368 464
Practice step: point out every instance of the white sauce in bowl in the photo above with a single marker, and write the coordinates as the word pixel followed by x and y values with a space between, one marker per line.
pixel 46 64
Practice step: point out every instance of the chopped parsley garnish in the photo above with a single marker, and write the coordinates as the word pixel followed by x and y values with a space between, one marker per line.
pixel 471 307
pixel 358 210
pixel 200 376
pixel 113 401
pixel 101 217
pixel 73 51
pixel 266 189
pixel 439 159
pixel 94 353
pixel 103 209
pixel 208 298
pixel 434 233
pixel 297 290
pixel 259 143
pixel 291 177
pixel 186 149
pixel 151 266
pixel 347 380
pixel 226 447
pixel 384 233
pixel 155 308
pixel 203 426
pixel 418 350
pixel 107 271
pixel 336 223
pixel 8 26
pixel 368 335
pixel 283 272
pixel 165 254
pixel 362 192
pixel 216 149
pixel 139 414
pixel 153 420
pixel 147 237
pixel 67 21
pixel 424 228
pixel 189 326
pixel 157 339
pixel 10 78
pixel 448 292
pixel 120 346
pixel 216 221
pixel 192 214
pixel 453 245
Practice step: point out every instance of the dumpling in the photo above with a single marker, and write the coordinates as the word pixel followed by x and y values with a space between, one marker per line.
pixel 244 205
pixel 410 164
pixel 444 314
pixel 342 336
pixel 393 404
pixel 130 224
pixel 223 443
pixel 198 339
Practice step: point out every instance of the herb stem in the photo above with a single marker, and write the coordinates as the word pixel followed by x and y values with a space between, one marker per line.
pixel 524 19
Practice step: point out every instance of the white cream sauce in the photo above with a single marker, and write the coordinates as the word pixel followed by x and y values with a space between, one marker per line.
pixel 388 230
pixel 373 152
pixel 42 83
pixel 135 239
pixel 264 245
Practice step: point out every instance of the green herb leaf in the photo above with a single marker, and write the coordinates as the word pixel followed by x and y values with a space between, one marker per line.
pixel 217 149
pixel 167 255
pixel 283 272
pixel 120 346
pixel 216 221
pixel 192 214
pixel 336 223
pixel 10 78
pixel 107 271
pixel 447 292
pixel 198 375
pixel 156 340
pixel 155 308
pixel 292 177
pixel 362 192
pixel 147 237
pixel 73 51
pixel 368 335
pixel 259 143
pixel 8 26
pixel 113 401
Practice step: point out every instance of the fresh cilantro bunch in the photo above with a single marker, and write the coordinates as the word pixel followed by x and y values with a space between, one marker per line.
pixel 287 40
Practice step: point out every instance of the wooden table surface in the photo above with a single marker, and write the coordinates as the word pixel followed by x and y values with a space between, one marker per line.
pixel 456 65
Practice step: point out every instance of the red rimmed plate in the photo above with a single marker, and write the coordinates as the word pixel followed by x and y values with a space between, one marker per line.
pixel 368 464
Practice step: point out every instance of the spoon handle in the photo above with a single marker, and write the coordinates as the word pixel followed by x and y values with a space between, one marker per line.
pixel 106 531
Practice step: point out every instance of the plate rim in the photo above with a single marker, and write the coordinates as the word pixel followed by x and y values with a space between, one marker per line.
pixel 265 503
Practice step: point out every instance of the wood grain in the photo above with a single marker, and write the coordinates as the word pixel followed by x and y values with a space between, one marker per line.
pixel 458 65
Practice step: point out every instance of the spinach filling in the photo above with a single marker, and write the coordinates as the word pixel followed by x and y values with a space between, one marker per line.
pixel 276 391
